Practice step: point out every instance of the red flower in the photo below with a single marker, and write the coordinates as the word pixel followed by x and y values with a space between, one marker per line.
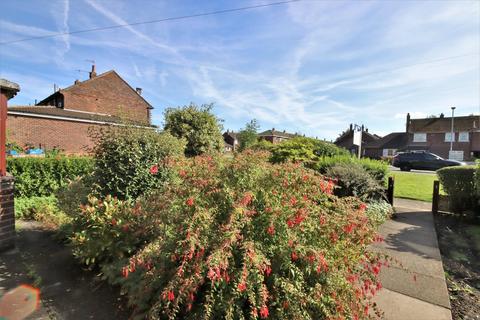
pixel 268 270
pixel 125 272
pixel 154 169
pixel 125 228
pixel 271 230
pixel 247 198
pixel 171 295
pixel 294 256
pixel 362 207
pixel 349 228
pixel 182 173
pixel 114 222
pixel 376 269
pixel 264 312
pixel 242 286
pixel 189 202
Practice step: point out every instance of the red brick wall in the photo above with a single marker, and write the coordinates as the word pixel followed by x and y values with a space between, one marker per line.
pixel 72 137
pixel 107 94
pixel 436 144
pixel 7 213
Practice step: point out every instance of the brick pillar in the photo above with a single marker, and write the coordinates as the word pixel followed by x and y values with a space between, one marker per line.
pixel 7 213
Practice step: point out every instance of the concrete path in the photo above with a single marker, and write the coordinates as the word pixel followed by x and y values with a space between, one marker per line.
pixel 414 285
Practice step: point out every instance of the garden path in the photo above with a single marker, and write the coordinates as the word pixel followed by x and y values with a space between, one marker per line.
pixel 414 285
pixel 67 291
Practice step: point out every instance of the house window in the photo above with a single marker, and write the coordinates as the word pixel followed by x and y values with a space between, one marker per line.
pixel 463 136
pixel 419 137
pixel 448 137
pixel 389 152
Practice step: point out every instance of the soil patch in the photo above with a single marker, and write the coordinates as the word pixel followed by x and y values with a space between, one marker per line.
pixel 459 243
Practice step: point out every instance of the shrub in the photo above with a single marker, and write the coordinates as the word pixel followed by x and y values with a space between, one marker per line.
pixel 458 182
pixel 378 170
pixel 38 177
pixel 353 180
pixel 262 145
pixel 126 157
pixel 44 209
pixel 236 239
pixel 477 180
pixel 107 230
pixel 379 211
pixel 72 196
pixel 306 150
pixel 25 208
pixel 197 125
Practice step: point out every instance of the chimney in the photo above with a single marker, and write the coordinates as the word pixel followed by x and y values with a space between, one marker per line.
pixel 76 81
pixel 407 127
pixel 139 91
pixel 366 129
pixel 273 129
pixel 93 73
pixel 55 88
pixel 351 126
pixel 362 128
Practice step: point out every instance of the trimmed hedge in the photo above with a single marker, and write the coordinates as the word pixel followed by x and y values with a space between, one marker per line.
pixel 38 177
pixel 459 184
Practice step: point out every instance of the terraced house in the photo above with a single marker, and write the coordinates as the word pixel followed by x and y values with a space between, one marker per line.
pixel 63 119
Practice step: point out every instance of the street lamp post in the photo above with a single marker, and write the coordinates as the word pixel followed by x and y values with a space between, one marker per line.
pixel 452 137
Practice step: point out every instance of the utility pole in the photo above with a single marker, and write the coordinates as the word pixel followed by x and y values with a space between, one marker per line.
pixel 452 136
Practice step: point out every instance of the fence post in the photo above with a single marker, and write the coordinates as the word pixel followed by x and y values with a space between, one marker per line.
pixel 391 184
pixel 436 194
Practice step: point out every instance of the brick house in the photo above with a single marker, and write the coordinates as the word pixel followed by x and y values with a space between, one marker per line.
pixel 63 119
pixel 434 135
pixel 231 141
pixel 345 140
pixel 387 146
pixel 275 136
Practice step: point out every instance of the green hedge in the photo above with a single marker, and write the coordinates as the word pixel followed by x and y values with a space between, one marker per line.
pixel 38 177
pixel 459 184
pixel 376 169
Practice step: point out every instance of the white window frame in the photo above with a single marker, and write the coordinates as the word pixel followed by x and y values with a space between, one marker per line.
pixel 420 137
pixel 462 135
pixel 448 137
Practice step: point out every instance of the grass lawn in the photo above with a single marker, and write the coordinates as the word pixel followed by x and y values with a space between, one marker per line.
pixel 411 185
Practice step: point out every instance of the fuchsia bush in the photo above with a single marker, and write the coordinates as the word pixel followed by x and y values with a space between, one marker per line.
pixel 244 239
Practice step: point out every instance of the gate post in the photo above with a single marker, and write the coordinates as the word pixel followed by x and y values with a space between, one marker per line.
pixel 390 188
pixel 7 213
pixel 435 196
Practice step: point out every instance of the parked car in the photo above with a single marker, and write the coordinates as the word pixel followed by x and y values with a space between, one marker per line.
pixel 422 161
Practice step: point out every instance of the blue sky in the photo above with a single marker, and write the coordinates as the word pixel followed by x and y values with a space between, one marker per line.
pixel 311 67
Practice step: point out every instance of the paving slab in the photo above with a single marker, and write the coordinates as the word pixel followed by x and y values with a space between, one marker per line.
pixel 416 276
pixel 403 307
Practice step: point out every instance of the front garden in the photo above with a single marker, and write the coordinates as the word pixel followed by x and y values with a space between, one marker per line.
pixel 273 234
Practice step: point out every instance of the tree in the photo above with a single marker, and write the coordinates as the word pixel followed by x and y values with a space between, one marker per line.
pixel 197 125
pixel 248 136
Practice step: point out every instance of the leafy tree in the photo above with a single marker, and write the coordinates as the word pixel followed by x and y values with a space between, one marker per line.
pixel 248 136
pixel 197 125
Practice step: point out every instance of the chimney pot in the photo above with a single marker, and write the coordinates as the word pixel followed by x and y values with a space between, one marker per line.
pixel 77 81
pixel 351 126
pixel 139 91
pixel 93 73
